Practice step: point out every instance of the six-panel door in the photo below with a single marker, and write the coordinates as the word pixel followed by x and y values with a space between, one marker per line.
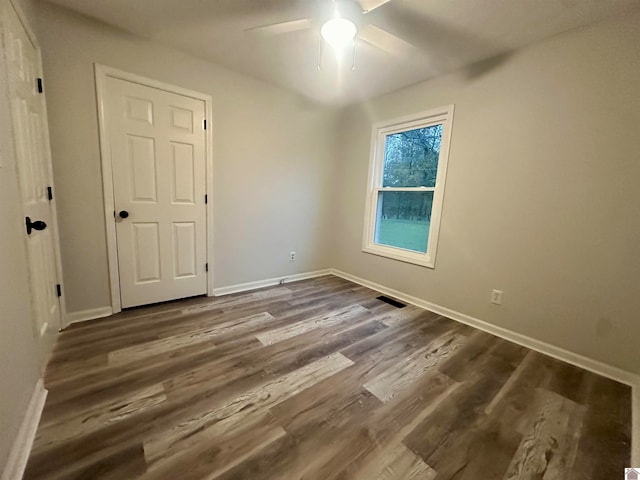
pixel 34 172
pixel 157 143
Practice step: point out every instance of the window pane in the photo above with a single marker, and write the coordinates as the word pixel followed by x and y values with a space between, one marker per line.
pixel 411 157
pixel 403 220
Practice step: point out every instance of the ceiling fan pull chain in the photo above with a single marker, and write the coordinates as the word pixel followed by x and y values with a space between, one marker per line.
pixel 320 51
pixel 355 51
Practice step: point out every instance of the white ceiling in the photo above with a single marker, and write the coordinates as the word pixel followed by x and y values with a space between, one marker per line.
pixel 447 34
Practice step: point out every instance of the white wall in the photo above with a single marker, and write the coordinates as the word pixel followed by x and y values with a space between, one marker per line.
pixel 272 160
pixel 542 192
pixel 19 364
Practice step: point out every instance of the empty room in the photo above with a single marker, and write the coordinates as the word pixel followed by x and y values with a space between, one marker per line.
pixel 320 239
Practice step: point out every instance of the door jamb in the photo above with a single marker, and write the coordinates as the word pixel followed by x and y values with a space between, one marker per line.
pixel 102 72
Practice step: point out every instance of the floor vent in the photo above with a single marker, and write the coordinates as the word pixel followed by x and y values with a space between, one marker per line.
pixel 391 301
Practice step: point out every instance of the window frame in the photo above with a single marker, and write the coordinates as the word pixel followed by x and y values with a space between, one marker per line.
pixel 441 115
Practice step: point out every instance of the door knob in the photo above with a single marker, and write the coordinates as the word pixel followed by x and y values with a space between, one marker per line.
pixel 37 225
pixel 123 214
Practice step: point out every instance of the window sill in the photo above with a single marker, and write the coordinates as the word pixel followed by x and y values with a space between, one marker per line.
pixel 406 256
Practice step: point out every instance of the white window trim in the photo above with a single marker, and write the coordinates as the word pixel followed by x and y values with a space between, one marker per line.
pixel 443 115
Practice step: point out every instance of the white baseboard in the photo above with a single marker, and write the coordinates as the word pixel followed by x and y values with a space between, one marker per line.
pixel 243 287
pixel 101 312
pixel 19 455
pixel 578 360
pixel 91 314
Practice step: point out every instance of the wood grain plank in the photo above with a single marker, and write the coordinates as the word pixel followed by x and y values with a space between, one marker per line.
pixel 212 457
pixel 113 381
pixel 444 439
pixel 124 462
pixel 513 381
pixel 207 334
pixel 604 446
pixel 221 418
pixel 403 463
pixel 60 429
pixel 397 378
pixel 322 321
pixel 227 302
pixel 549 444
pixel 395 317
pixel 389 425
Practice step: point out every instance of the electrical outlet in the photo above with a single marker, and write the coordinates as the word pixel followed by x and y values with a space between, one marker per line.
pixel 496 297
pixel 292 256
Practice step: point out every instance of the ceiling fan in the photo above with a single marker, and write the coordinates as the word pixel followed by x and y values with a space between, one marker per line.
pixel 342 23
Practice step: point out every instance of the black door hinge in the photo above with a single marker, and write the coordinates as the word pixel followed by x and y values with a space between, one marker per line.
pixel 39 85
pixel 206 198
pixel 59 289
pixel 206 267
pixel 205 123
pixel 50 193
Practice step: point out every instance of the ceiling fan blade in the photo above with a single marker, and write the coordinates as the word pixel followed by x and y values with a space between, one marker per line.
pixel 384 40
pixel 370 5
pixel 282 27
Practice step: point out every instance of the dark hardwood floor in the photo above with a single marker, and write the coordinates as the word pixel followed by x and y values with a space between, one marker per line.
pixel 318 380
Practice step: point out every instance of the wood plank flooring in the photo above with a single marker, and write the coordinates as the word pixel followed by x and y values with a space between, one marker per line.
pixel 318 380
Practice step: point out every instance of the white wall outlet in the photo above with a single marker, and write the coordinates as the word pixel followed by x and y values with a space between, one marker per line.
pixel 292 256
pixel 496 297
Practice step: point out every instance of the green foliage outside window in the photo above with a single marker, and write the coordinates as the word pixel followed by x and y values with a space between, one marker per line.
pixel 410 160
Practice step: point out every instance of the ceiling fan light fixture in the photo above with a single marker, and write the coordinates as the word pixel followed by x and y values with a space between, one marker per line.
pixel 338 32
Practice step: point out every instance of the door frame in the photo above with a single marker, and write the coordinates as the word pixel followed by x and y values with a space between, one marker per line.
pixel 102 73
pixel 62 321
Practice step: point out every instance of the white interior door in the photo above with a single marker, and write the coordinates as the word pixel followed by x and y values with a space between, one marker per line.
pixel 158 158
pixel 34 170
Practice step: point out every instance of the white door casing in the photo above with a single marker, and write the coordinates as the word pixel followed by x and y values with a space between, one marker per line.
pixel 33 158
pixel 157 148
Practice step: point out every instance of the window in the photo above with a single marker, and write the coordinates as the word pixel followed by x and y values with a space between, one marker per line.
pixel 406 186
